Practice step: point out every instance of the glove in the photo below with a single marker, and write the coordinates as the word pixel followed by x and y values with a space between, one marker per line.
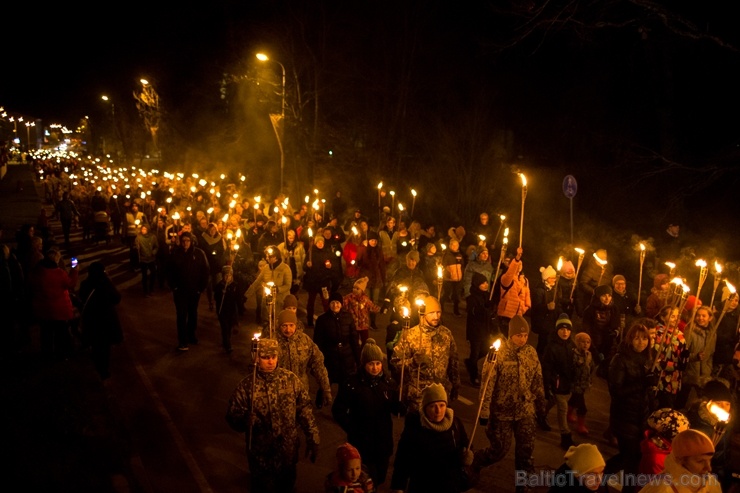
pixel 466 457
pixel 483 421
pixel 326 401
pixel 312 451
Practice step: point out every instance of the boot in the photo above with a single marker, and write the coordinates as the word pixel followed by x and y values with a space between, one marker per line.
pixel 566 441
pixel 581 428
pixel 571 414
pixel 542 423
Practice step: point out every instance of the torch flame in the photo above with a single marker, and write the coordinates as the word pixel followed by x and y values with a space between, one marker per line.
pixel 482 237
pixel 439 271
pixel 560 263
pixel 256 336
pixel 685 288
pixel 580 251
pixel 701 263
pixel 720 413
pixel 524 179
pixel 717 267
pixel 400 207
pixel 671 265
pixel 403 289
pixel 730 287
pixel 496 344
pixel 354 230
pixel 506 232
pixel 642 246
pixel 502 217
pixel 506 240
pixel 380 185
pixel 413 192
pixel 405 312
pixel 310 233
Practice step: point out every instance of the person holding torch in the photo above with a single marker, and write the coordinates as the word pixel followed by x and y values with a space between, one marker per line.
pixel 512 401
pixel 271 406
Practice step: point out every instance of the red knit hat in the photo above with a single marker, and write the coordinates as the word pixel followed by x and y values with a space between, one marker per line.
pixel 346 452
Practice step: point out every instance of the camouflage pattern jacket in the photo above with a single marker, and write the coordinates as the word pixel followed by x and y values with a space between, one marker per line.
pixel 515 389
pixel 299 354
pixel 281 405
pixel 440 364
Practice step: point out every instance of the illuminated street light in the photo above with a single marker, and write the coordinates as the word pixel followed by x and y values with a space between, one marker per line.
pixel 28 133
pixel 264 58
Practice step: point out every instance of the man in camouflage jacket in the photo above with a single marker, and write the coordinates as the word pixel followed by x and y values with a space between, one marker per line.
pixel 269 406
pixel 431 348
pixel 299 354
pixel 513 396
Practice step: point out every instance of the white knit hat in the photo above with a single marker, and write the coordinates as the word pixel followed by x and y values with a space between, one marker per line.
pixel 584 458
pixel 548 272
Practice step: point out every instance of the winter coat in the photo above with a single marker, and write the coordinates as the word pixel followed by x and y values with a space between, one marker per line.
pixel 227 301
pixel 349 254
pixel 147 245
pixel 360 307
pixel 589 279
pixel 558 365
pixel 478 309
pixel 299 354
pixel 188 269
pixel 453 263
pixel 337 338
pixel 279 406
pixel 584 370
pixel 654 449
pixel 294 256
pixel 215 251
pixel 429 456
pixel 485 268
pixel 698 370
pixel 371 266
pixel 543 319
pixel 515 298
pixel 515 390
pixel 671 358
pixel 629 388
pixel 99 317
pixel 279 274
pixel 50 291
pixel 319 273
pixel 363 408
pixel 132 229
pixel 441 364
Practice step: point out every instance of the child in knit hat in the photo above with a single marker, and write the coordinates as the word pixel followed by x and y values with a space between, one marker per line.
pixel 584 369
pixel 663 425
pixel 362 308
pixel 582 470
pixel 350 475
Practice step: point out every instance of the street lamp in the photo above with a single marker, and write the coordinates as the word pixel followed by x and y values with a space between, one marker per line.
pixel 264 58
pixel 28 132
pixel 112 116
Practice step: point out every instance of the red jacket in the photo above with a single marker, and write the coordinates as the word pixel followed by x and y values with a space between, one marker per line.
pixel 50 290
pixel 654 451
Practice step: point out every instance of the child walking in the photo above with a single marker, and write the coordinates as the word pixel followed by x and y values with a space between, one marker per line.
pixel 559 374
pixel 350 476
pixel 584 369
pixel 359 304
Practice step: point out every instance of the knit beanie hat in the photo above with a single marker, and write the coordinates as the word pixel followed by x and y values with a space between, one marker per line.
pixel 568 271
pixel 477 280
pixel 668 422
pixel 346 452
pixel 460 233
pixel 582 337
pixel 361 283
pixel 372 235
pixel 370 352
pixel 563 321
pixel 602 290
pixel 336 296
pixel 583 458
pixel 431 305
pixel 287 317
pixel 480 249
pixel 548 272
pixel 267 348
pixel 691 442
pixel 434 393
pixel 290 301
pixel 518 325
pixel 618 277
pixel 659 280
pixel 715 390
pixel 413 255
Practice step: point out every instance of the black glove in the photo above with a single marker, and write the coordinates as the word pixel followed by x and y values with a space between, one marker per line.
pixel 312 451
pixel 483 421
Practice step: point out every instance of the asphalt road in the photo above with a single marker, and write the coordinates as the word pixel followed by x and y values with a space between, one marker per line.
pixel 167 408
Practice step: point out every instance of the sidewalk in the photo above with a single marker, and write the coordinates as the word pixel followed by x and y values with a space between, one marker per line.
pixel 61 431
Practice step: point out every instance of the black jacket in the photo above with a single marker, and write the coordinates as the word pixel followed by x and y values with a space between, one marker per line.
pixel 337 338
pixel 188 269
pixel 558 366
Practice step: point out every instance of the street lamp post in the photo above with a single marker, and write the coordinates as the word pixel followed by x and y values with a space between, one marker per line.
pixel 112 117
pixel 28 133
pixel 263 58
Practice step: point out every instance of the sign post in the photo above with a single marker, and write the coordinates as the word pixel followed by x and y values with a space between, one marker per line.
pixel 570 187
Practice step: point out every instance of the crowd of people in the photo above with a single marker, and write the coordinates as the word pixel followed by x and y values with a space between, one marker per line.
pixel 671 361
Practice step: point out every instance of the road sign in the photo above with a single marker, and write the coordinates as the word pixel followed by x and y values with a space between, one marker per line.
pixel 570 186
